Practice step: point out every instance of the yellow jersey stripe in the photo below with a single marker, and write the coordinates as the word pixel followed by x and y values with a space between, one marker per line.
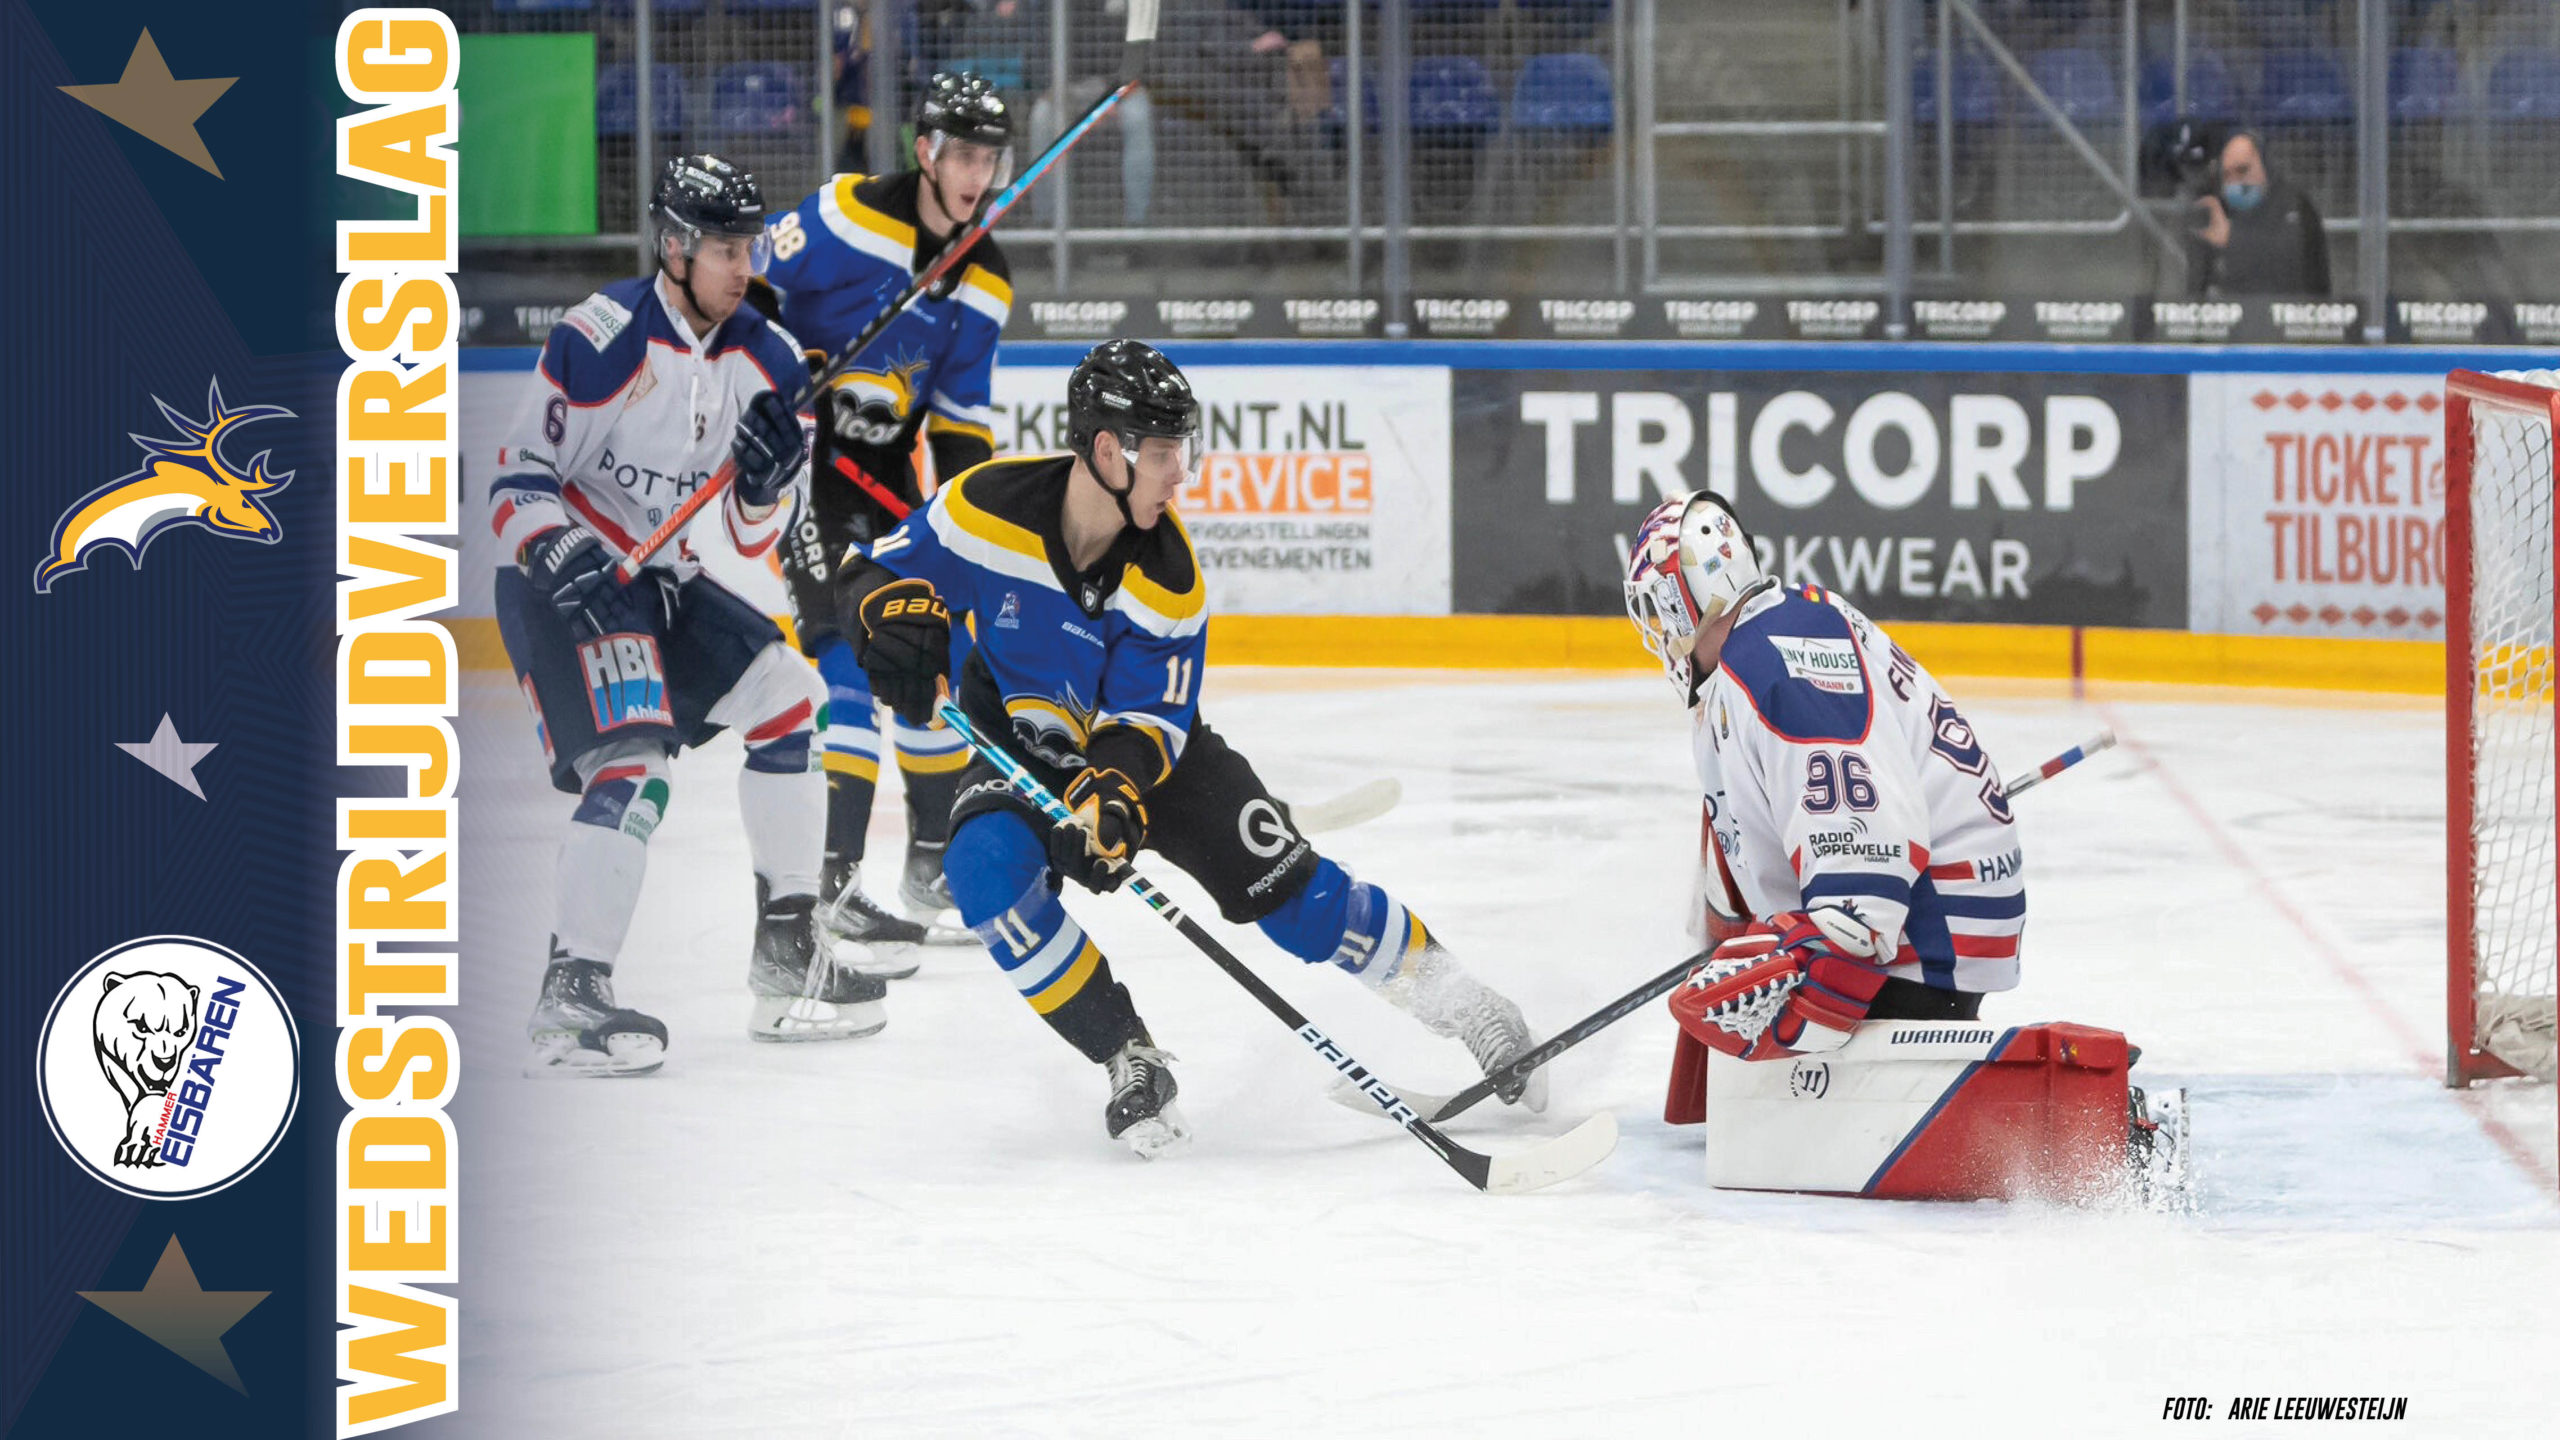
pixel 1067 985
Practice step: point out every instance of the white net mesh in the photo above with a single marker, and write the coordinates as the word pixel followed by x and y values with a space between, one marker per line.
pixel 2513 883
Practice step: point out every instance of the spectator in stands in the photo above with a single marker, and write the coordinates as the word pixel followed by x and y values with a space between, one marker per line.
pixel 2260 236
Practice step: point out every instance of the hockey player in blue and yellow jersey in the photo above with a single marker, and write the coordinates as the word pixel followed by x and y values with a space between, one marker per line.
pixel 838 260
pixel 1092 617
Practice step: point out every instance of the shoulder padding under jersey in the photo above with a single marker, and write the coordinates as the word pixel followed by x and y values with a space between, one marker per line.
pixel 1798 665
pixel 766 343
pixel 602 342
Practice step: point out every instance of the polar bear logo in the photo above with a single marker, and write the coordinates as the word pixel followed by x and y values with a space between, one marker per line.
pixel 145 1022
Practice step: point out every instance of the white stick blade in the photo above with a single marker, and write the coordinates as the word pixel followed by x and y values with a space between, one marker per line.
pixel 1352 1097
pixel 1356 806
pixel 1558 1159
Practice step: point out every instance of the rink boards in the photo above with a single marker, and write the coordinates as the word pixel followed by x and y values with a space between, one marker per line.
pixel 2257 515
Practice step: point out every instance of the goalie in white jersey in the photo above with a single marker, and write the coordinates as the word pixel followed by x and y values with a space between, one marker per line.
pixel 1864 862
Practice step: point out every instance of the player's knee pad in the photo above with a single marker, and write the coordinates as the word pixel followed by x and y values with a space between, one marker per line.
pixel 995 857
pixel 1344 921
pixel 776 706
pixel 626 790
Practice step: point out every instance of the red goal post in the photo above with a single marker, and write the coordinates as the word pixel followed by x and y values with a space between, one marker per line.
pixel 2502 749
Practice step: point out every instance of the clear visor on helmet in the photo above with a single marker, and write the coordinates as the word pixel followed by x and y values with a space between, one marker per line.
pixel 957 162
pixel 1194 449
pixel 757 248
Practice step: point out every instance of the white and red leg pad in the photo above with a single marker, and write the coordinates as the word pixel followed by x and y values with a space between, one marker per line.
pixel 1925 1110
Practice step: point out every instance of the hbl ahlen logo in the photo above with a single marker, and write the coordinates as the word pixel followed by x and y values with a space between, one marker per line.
pixel 183 482
pixel 169 1067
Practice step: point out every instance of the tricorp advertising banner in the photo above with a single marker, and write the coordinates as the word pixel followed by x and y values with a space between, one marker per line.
pixel 1325 490
pixel 2326 515
pixel 2054 499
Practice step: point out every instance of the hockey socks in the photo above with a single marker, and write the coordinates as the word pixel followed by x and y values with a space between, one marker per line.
pixel 999 876
pixel 605 854
pixel 1349 923
pixel 851 740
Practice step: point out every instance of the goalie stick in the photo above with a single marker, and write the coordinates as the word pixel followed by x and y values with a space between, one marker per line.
pixel 1556 1158
pixel 1437 1108
pixel 1142 16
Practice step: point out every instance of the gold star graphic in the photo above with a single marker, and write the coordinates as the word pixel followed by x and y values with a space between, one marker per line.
pixel 182 1315
pixel 155 104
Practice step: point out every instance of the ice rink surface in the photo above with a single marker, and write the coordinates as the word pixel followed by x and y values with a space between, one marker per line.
pixel 927 1232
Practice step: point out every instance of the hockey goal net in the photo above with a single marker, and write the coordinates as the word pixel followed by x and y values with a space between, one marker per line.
pixel 2502 827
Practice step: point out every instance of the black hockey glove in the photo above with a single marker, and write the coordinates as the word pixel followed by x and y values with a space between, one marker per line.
pixel 906 647
pixel 769 448
pixel 569 566
pixel 1110 825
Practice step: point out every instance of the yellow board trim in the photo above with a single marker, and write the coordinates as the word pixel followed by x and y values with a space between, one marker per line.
pixel 1064 988
pixel 1607 643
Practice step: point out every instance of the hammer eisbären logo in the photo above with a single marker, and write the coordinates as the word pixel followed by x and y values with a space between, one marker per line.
pixel 169 1067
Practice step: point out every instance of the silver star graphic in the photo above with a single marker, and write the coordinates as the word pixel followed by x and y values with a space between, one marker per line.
pixel 169 755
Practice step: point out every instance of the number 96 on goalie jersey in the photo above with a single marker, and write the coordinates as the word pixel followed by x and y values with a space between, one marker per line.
pixel 1838 772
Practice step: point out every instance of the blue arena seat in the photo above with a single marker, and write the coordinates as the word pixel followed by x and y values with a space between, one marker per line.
pixel 2426 83
pixel 1452 95
pixel 758 97
pixel 541 7
pixel 2304 87
pixel 618 98
pixel 2525 85
pixel 1975 88
pixel 1334 114
pixel 1563 92
pixel 2211 92
pixel 2080 81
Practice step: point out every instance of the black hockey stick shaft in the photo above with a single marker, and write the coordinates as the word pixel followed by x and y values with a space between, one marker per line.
pixel 943 264
pixel 1664 983
pixel 1474 1168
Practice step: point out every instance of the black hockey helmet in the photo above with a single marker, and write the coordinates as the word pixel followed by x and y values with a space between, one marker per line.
pixel 700 195
pixel 1130 389
pixel 962 105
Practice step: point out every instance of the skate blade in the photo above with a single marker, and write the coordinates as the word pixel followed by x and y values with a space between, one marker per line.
pixel 895 960
pixel 1158 1135
pixel 563 1058
pixel 792 1019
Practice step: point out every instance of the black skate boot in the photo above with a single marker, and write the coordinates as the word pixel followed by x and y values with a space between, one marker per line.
pixel 801 993
pixel 577 1030
pixel 925 895
pixel 865 936
pixel 1141 1114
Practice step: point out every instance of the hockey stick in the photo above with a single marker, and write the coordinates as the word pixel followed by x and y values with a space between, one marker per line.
pixel 1557 1158
pixel 1437 1108
pixel 943 264
pixel 1356 806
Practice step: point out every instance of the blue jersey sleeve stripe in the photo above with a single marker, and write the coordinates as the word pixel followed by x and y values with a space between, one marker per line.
pixel 526 480
pixel 1983 907
pixel 1857 885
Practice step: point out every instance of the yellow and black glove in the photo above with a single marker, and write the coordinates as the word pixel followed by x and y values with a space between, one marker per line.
pixel 906 647
pixel 1094 849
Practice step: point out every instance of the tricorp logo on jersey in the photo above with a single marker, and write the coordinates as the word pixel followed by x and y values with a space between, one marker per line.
pixel 183 482
pixel 625 683
pixel 1824 664
pixel 168 1067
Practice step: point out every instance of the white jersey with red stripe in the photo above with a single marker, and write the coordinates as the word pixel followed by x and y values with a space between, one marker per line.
pixel 632 412
pixel 1837 771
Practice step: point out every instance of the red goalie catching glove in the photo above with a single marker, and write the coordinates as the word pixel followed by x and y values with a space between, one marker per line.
pixel 1796 984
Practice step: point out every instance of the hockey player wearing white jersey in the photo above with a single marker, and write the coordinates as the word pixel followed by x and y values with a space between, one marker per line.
pixel 643 390
pixel 1858 825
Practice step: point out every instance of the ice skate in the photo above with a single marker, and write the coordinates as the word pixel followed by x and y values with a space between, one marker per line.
pixel 801 993
pixel 862 934
pixel 1432 988
pixel 925 894
pixel 577 1030
pixel 2156 1148
pixel 1141 1113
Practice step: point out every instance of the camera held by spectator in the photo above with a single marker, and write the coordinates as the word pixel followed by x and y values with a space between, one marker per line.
pixel 2255 233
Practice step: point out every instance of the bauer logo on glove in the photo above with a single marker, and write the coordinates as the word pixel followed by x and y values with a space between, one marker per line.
pixel 1796 984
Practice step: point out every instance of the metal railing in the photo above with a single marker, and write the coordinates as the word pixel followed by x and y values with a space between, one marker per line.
pixel 1620 146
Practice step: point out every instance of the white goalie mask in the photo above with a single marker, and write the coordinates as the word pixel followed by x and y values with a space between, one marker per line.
pixel 1690 563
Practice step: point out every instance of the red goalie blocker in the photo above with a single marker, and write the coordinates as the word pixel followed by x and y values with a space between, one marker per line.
pixel 1918 1110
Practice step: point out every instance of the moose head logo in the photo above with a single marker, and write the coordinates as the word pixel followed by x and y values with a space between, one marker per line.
pixel 183 482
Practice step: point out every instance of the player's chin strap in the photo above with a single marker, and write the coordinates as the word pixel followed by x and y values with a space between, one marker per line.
pixel 1121 496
